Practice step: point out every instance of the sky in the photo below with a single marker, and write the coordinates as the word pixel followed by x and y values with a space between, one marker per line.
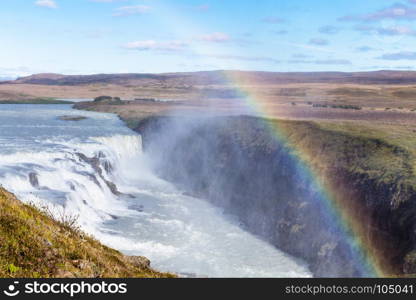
pixel 155 36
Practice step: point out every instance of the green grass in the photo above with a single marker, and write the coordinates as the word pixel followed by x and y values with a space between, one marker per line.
pixel 379 154
pixel 34 244
pixel 385 154
pixel 403 136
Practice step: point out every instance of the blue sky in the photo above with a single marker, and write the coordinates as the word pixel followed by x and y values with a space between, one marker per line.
pixel 117 36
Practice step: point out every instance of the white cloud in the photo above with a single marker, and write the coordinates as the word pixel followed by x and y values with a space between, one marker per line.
pixel 131 10
pixel 404 55
pixel 150 45
pixel 397 11
pixel 397 30
pixel 216 37
pixel 46 3
pixel 385 30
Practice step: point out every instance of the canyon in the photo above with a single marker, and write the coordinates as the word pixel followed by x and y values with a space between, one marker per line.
pixel 237 163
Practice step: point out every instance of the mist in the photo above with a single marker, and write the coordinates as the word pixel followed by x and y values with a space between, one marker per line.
pixel 236 163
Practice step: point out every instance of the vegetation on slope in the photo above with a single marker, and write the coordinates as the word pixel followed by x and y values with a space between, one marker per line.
pixel 33 244
pixel 384 152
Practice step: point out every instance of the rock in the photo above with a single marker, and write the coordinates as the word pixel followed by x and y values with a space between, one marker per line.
pixel 114 217
pixel 71 186
pixel 100 154
pixel 139 261
pixel 107 166
pixel 33 178
pixel 94 162
pixel 113 188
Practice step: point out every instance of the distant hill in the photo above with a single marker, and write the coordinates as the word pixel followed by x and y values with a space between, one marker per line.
pixel 222 77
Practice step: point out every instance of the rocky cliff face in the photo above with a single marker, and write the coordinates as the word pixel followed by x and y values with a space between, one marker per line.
pixel 238 164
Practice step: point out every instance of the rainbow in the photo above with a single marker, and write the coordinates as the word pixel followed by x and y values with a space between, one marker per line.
pixel 342 215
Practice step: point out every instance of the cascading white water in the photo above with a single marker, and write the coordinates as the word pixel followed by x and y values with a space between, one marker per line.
pixel 95 169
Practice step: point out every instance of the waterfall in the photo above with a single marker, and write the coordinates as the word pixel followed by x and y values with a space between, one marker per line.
pixel 79 179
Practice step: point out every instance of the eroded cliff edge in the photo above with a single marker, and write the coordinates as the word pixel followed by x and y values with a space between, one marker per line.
pixel 251 167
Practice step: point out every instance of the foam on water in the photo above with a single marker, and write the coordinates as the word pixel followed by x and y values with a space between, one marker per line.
pixel 71 165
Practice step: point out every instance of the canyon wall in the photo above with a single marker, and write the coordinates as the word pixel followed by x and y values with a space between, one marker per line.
pixel 239 164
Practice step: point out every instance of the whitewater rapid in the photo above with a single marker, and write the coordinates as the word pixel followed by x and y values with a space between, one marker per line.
pixel 95 169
